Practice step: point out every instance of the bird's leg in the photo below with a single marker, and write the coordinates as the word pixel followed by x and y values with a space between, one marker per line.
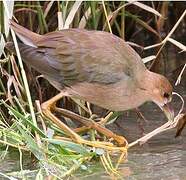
pixel 102 121
pixel 81 129
pixel 91 124
pixel 140 121
pixel 50 105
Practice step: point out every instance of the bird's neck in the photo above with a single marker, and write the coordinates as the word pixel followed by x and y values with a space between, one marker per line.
pixel 147 82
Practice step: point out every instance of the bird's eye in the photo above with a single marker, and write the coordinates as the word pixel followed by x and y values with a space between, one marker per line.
pixel 166 95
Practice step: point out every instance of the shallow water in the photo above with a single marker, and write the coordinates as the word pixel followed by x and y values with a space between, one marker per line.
pixel 160 159
pixel 10 164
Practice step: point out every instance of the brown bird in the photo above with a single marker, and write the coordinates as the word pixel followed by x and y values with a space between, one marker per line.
pixel 94 66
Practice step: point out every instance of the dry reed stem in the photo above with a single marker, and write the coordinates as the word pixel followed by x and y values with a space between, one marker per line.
pixel 180 75
pixel 168 125
pixel 168 36
pixel 105 11
pixel 162 44
pixel 22 69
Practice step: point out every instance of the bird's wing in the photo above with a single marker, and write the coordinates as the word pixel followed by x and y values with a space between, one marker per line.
pixel 71 56
pixel 88 56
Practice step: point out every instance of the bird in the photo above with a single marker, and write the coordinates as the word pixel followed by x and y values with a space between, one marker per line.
pixel 94 66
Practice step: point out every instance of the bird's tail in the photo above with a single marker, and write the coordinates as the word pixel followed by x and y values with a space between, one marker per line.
pixel 26 36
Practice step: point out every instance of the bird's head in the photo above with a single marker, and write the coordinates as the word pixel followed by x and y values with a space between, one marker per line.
pixel 160 91
pixel 162 96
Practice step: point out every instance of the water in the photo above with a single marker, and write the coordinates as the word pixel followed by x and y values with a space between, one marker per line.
pixel 10 164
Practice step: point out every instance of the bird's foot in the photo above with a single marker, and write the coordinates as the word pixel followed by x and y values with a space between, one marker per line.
pixel 49 106
pixel 107 146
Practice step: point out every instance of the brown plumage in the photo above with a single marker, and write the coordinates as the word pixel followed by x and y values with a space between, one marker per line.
pixel 95 66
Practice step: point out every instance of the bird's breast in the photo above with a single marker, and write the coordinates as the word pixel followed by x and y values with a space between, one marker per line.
pixel 116 97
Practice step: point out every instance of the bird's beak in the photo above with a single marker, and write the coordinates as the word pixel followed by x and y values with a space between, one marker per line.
pixel 168 110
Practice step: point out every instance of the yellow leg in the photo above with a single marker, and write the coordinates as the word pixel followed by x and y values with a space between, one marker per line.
pixel 102 121
pixel 49 106
pixel 81 129
pixel 90 123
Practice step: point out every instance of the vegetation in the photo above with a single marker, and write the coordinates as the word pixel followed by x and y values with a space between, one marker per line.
pixel 148 27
